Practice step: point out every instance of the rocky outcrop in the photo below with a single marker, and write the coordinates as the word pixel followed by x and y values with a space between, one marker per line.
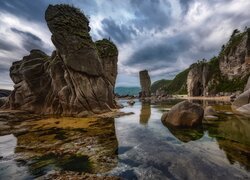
pixel 184 114
pixel 235 61
pixel 77 79
pixel 242 103
pixel 197 79
pixel 145 83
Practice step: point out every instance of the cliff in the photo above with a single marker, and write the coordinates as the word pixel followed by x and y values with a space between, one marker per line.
pixel 77 79
pixel 228 72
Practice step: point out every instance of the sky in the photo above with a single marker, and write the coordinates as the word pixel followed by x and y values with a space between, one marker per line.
pixel 162 36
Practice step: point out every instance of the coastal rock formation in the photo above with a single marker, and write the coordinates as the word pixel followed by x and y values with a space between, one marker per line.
pixel 77 79
pixel 197 79
pixel 184 114
pixel 145 83
pixel 242 103
pixel 235 62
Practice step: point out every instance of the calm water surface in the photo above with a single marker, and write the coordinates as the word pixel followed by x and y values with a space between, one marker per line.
pixel 136 146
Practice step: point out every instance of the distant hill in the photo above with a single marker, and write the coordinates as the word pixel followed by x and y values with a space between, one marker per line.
pixel 4 92
pixel 160 84
pixel 127 91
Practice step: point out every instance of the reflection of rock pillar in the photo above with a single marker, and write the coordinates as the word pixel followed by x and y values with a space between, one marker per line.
pixel 145 113
pixel 145 83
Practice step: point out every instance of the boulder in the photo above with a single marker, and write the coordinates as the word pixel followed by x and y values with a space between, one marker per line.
pixel 131 102
pixel 145 84
pixel 241 100
pixel 184 114
pixel 77 79
pixel 209 111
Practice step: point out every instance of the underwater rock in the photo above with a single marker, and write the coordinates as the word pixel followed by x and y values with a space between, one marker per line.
pixel 78 79
pixel 209 111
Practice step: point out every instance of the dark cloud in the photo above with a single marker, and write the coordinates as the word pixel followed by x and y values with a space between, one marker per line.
pixel 6 46
pixel 161 53
pixel 4 68
pixel 185 4
pixel 118 33
pixel 31 10
pixel 151 14
pixel 29 40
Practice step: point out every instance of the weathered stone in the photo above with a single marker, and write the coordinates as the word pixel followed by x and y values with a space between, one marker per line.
pixel 184 114
pixel 75 80
pixel 241 100
pixel 197 80
pixel 241 103
pixel 236 63
pixel 3 101
pixel 145 83
pixel 131 102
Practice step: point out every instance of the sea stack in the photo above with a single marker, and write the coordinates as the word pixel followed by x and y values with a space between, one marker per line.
pixel 77 79
pixel 145 83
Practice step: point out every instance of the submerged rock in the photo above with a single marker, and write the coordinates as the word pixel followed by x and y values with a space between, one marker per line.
pixel 145 83
pixel 79 77
pixel 184 114
pixel 209 111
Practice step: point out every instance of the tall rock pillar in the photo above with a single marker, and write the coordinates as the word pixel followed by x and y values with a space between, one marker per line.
pixel 145 83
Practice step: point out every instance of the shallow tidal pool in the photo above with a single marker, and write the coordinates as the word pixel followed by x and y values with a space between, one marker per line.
pixel 136 146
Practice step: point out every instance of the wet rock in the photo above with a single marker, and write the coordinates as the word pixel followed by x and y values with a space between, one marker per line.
pixel 3 101
pixel 209 111
pixel 77 80
pixel 184 114
pixel 145 83
pixel 131 102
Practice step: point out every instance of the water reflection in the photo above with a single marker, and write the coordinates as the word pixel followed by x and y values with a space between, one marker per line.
pixel 65 144
pixel 159 152
pixel 145 113
pixel 186 134
pixel 233 136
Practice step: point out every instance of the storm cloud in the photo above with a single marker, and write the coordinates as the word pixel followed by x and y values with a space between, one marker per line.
pixel 163 36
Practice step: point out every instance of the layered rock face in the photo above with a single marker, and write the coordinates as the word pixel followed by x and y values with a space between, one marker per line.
pixel 197 80
pixel 145 83
pixel 78 78
pixel 236 62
